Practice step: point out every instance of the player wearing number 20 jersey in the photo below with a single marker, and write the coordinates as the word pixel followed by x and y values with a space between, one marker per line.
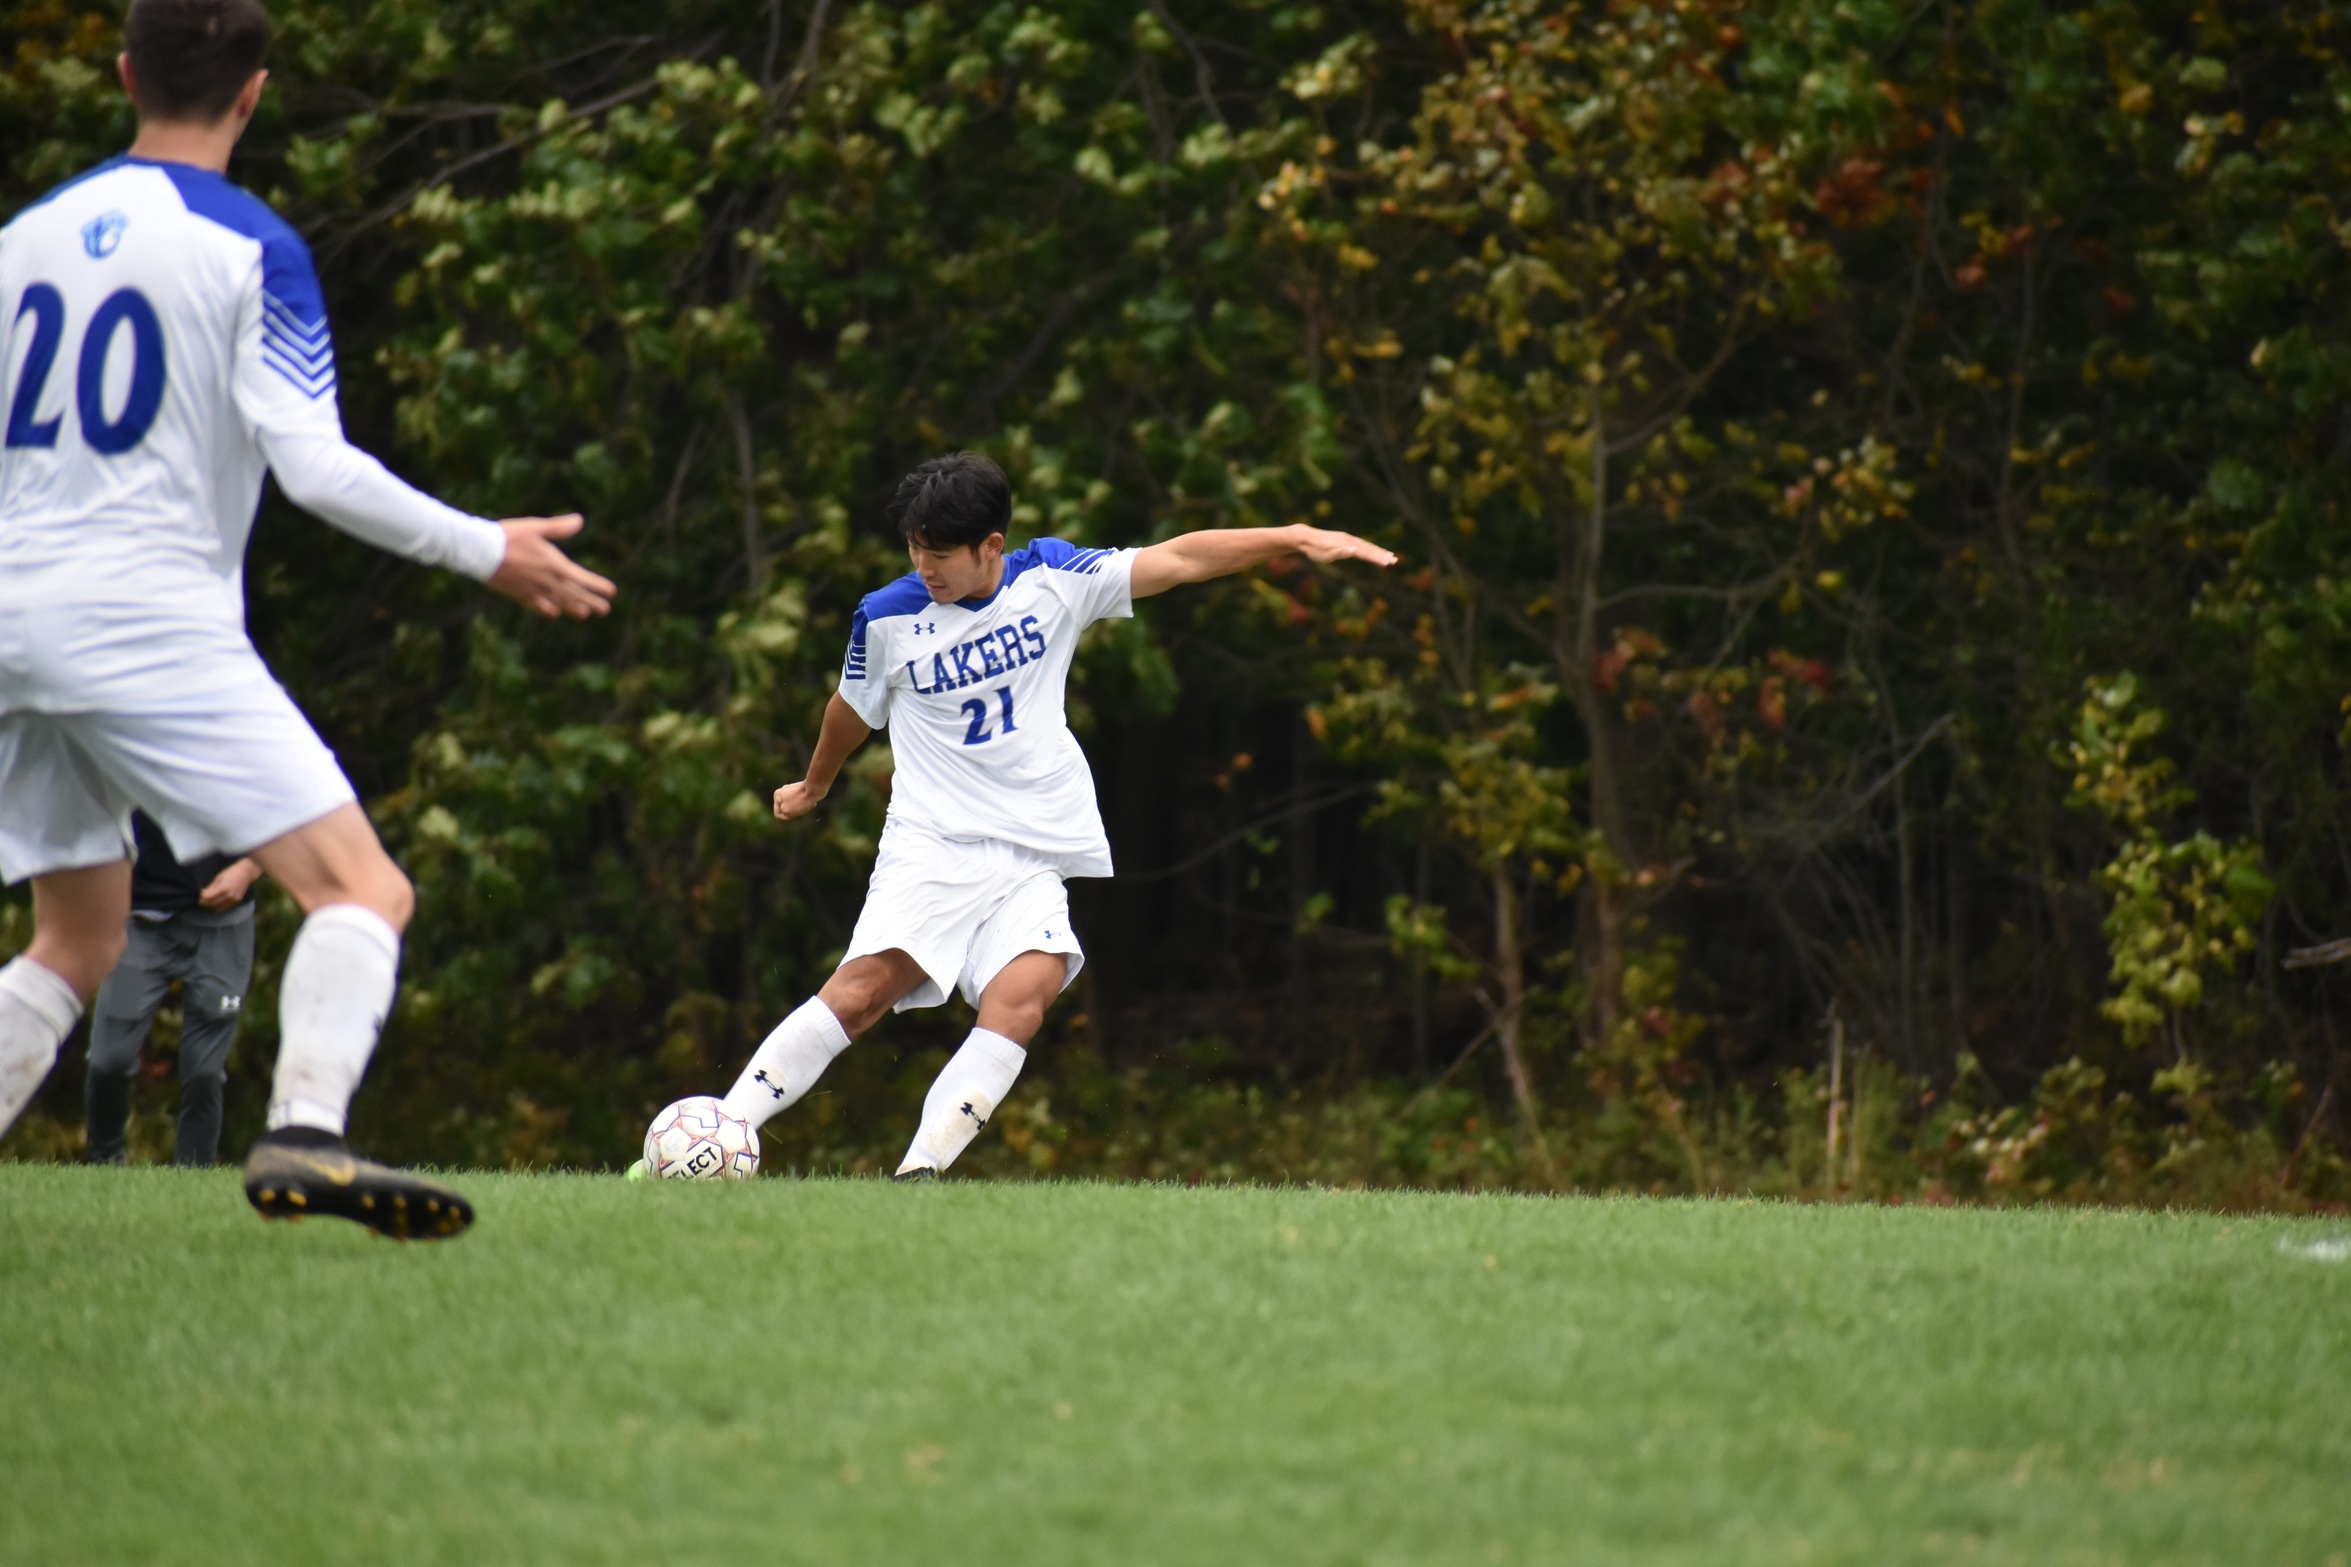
pixel 162 344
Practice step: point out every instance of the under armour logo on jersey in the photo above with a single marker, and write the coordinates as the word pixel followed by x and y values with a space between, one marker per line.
pixel 102 233
pixel 926 628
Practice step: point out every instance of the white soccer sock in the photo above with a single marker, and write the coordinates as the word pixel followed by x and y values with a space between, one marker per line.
pixel 968 1089
pixel 37 1010
pixel 331 1007
pixel 787 1063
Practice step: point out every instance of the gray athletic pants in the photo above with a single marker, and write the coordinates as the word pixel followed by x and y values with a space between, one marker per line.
pixel 213 961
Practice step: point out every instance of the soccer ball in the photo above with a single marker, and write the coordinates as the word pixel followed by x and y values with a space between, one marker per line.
pixel 697 1139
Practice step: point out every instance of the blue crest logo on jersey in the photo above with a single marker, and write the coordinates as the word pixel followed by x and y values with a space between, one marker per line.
pixel 102 233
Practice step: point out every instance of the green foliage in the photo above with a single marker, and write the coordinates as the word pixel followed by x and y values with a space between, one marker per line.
pixel 1781 410
pixel 2178 910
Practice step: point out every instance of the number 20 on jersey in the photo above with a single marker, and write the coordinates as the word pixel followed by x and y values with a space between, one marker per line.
pixel 125 308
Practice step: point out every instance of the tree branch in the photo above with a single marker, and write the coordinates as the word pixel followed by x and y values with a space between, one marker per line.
pixel 1200 71
pixel 407 198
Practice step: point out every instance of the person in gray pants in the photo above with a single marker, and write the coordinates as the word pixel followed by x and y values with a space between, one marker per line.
pixel 191 923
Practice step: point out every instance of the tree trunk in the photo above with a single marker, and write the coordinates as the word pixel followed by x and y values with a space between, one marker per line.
pixel 1576 651
pixel 1420 963
pixel 1301 847
pixel 747 478
pixel 1576 648
pixel 1955 940
pixel 1510 967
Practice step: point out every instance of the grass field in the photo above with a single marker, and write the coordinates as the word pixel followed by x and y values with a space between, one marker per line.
pixel 849 1372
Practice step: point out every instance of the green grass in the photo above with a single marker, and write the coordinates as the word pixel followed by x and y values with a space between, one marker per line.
pixel 850 1372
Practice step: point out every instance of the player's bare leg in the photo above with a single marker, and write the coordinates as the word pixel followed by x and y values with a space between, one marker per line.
pixel 1013 1006
pixel 338 859
pixel 978 1076
pixel 79 923
pixel 789 1061
pixel 79 917
pixel 863 989
pixel 331 1008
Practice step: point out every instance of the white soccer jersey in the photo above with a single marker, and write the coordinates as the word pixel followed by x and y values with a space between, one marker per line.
pixel 972 694
pixel 162 343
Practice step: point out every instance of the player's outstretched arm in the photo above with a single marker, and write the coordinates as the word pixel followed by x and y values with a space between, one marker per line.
pixel 1219 552
pixel 283 383
pixel 843 732
pixel 330 478
pixel 536 573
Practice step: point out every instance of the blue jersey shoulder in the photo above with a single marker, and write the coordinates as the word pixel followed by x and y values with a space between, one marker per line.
pixel 287 275
pixel 1057 555
pixel 294 338
pixel 906 596
pixel 1047 555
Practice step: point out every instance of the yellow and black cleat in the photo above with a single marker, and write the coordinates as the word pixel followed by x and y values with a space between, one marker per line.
pixel 298 1172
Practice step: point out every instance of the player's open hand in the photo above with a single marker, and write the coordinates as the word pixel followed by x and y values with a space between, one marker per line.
pixel 1329 544
pixel 537 574
pixel 795 800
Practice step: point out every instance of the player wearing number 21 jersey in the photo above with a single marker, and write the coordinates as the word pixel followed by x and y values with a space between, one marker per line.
pixel 972 695
pixel 163 344
pixel 964 661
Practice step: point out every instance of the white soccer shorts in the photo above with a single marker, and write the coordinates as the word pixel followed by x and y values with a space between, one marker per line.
pixel 223 775
pixel 962 909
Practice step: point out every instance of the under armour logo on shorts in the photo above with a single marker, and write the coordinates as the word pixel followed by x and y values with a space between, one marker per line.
pixel 232 1003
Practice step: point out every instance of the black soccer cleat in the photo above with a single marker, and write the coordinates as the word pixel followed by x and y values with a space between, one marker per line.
pixel 297 1171
pixel 919 1172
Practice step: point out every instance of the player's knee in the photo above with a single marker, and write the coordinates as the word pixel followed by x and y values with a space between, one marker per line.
pixel 1030 1020
pixel 382 889
pixel 399 896
pixel 1017 1019
pixel 858 1000
pixel 82 954
pixel 862 989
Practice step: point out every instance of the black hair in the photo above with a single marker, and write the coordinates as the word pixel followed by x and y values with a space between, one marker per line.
pixel 952 501
pixel 190 58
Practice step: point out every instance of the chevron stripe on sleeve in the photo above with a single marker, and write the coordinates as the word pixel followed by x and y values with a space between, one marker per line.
pixel 1085 563
pixel 301 351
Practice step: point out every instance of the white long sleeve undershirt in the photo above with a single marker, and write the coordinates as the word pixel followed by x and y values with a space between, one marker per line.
pixel 342 485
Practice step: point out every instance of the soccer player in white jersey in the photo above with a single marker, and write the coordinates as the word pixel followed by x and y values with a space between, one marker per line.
pixel 162 344
pixel 964 660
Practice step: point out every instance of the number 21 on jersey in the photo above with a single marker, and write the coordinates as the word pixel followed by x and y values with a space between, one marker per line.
pixel 976 709
pixel 108 437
